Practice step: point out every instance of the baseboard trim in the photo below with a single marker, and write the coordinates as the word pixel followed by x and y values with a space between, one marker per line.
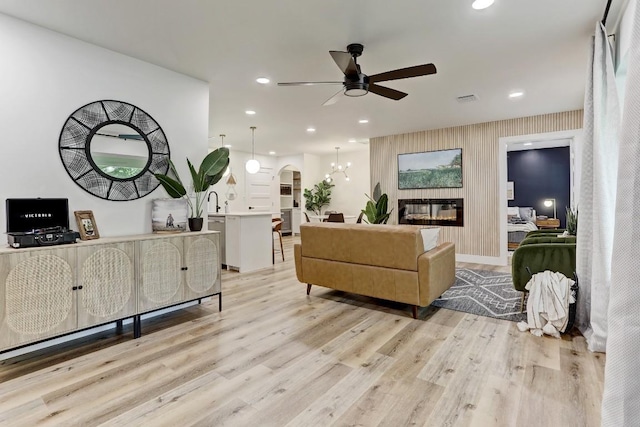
pixel 479 259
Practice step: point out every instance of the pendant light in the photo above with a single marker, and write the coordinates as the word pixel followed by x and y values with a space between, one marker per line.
pixel 252 166
pixel 227 171
pixel 231 180
pixel 337 168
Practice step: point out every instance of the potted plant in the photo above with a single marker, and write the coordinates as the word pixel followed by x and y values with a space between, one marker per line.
pixel 317 197
pixel 376 209
pixel 209 173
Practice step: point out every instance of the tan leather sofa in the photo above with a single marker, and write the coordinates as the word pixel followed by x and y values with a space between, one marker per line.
pixel 381 261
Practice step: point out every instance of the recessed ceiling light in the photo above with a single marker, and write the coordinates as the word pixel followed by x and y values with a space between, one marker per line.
pixel 311 129
pixel 352 140
pixel 263 80
pixel 250 112
pixel 481 4
pixel 227 145
pixel 528 143
pixel 272 152
pixel 363 121
pixel 516 94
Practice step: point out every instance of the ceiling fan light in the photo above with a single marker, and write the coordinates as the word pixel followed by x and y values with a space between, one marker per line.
pixel 252 166
pixel 355 92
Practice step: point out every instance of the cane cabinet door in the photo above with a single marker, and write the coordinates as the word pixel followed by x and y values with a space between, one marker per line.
pixel 37 296
pixel 106 283
pixel 160 278
pixel 201 257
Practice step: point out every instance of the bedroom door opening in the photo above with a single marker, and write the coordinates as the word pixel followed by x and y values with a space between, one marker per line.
pixel 539 177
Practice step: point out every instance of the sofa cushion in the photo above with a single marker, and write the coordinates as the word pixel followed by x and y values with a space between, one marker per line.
pixel 390 246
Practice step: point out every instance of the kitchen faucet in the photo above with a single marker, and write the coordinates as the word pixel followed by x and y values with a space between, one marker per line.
pixel 209 199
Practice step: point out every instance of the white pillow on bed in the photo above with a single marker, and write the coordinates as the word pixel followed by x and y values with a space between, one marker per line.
pixel 429 238
pixel 513 211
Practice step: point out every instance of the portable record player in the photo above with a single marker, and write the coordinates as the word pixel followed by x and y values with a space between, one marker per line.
pixel 38 222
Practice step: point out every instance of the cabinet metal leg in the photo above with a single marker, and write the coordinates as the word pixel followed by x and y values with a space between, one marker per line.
pixel 220 301
pixel 415 311
pixel 137 326
pixel 199 300
pixel 119 327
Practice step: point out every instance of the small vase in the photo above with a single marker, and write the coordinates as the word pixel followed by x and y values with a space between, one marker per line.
pixel 195 224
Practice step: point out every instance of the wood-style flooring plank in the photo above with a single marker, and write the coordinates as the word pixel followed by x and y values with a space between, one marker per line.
pixel 276 356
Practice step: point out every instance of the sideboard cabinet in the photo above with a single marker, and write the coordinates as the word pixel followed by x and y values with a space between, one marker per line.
pixel 51 291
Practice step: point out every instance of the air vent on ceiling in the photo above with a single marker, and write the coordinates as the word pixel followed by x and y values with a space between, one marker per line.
pixel 467 98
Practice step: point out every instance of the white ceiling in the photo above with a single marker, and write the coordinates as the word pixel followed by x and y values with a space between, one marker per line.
pixel 539 46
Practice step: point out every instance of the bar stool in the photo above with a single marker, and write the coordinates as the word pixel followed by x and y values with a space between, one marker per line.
pixel 276 227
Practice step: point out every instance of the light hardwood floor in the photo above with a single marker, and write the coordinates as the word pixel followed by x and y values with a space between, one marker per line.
pixel 276 357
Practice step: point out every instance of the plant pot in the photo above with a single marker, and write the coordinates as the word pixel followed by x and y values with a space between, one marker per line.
pixel 195 224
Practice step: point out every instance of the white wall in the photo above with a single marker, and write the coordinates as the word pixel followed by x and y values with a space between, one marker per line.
pixel 45 76
pixel 347 197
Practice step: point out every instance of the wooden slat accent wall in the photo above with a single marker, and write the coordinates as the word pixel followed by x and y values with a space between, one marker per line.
pixel 480 172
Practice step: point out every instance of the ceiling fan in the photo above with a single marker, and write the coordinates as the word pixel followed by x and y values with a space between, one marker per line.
pixel 357 83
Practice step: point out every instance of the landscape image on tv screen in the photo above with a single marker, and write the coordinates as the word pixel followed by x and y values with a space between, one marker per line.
pixel 432 169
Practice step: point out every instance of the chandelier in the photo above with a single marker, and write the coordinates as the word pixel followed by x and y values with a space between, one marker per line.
pixel 337 168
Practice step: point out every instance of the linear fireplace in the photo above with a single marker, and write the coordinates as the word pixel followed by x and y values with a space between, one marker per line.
pixel 431 212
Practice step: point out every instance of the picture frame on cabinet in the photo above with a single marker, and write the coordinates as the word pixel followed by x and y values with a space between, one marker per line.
pixel 86 225
pixel 169 215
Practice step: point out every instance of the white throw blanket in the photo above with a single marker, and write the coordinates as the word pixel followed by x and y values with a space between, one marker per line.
pixel 548 304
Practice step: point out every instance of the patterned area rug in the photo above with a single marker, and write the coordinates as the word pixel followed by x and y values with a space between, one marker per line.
pixel 485 293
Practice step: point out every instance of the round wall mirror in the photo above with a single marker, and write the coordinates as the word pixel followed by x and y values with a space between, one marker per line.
pixel 112 149
pixel 119 151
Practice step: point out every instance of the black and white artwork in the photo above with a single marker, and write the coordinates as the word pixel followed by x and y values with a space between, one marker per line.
pixel 169 215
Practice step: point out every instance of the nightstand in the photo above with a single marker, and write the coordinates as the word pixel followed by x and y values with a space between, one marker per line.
pixel 548 223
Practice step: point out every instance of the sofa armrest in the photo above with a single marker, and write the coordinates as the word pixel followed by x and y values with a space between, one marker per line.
pixel 436 272
pixel 539 257
pixel 297 254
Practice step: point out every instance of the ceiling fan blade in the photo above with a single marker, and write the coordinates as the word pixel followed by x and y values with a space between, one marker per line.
pixel 334 98
pixel 308 83
pixel 404 73
pixel 386 92
pixel 345 62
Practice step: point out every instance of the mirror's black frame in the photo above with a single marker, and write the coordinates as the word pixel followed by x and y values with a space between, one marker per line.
pixel 75 150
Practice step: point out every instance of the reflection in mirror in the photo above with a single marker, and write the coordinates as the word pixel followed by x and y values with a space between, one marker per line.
pixel 119 151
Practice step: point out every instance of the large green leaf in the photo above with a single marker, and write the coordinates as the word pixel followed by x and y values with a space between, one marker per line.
pixel 212 179
pixel 195 178
pixel 174 188
pixel 214 162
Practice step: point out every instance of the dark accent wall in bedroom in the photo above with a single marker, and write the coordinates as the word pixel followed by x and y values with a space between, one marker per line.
pixel 538 175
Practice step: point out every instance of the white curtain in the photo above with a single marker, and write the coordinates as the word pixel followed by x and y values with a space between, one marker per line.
pixel 597 193
pixel 621 401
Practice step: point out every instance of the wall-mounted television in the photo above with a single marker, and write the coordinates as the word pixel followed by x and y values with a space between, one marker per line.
pixel 431 169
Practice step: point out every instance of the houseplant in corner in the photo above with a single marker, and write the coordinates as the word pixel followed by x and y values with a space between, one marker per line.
pixel 376 209
pixel 210 172
pixel 317 197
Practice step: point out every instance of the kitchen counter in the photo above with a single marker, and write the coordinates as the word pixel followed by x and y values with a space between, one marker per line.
pixel 240 213
pixel 248 239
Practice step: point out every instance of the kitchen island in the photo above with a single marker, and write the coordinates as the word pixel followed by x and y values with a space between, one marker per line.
pixel 248 239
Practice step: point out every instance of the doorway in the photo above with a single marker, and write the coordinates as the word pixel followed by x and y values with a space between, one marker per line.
pixel 525 144
pixel 290 199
